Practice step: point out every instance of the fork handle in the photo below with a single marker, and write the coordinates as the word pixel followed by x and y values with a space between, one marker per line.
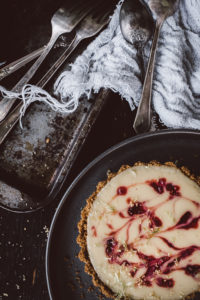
pixel 19 63
pixel 142 121
pixel 45 79
pixel 7 125
pixel 6 103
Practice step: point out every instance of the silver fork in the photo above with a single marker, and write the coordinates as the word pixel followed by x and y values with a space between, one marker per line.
pixel 63 21
pixel 20 62
pixel 88 28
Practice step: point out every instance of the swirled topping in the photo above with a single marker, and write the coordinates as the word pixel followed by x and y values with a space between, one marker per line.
pixel 143 234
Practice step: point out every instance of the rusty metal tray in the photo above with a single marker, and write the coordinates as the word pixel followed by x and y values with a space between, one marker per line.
pixel 35 160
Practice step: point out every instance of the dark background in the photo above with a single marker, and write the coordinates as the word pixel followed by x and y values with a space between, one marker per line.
pixel 24 26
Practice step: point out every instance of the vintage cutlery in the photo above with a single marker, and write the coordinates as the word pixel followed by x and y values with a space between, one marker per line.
pixel 89 27
pixel 137 25
pixel 63 21
pixel 19 63
pixel 162 9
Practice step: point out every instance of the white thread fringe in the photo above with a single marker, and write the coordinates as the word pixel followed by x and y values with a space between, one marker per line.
pixel 32 93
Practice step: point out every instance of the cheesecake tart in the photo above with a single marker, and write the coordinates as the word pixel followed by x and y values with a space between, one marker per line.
pixel 140 233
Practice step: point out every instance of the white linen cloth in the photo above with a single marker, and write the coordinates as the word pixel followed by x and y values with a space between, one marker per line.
pixel 110 62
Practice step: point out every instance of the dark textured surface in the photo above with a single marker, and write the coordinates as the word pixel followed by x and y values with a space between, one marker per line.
pixel 23 237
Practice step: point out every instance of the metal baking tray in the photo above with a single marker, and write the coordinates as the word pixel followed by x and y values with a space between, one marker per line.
pixel 35 160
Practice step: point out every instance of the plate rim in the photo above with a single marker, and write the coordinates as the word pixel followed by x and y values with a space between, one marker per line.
pixel 85 170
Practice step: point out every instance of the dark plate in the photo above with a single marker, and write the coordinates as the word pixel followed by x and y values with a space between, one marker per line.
pixel 66 278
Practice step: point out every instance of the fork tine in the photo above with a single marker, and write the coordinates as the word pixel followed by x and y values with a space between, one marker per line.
pixel 105 16
pixel 101 14
pixel 80 7
pixel 80 10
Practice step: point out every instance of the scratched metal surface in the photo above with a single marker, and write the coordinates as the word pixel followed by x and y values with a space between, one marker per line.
pixel 35 160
